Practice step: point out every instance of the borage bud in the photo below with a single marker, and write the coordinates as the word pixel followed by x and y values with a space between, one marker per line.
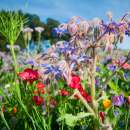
pixel 102 116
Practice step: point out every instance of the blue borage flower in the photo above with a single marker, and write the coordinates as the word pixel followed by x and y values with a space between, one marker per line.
pixel 81 58
pixel 112 27
pixel 67 48
pixel 58 31
pixel 55 70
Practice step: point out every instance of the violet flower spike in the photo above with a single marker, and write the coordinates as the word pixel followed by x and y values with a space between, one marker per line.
pixel 118 100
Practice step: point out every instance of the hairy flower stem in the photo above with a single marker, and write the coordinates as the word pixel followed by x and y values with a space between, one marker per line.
pixel 93 91
pixel 14 58
pixel 85 103
pixel 93 70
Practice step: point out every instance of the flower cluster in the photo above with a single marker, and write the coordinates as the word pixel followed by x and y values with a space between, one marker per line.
pixel 38 92
pixel 29 75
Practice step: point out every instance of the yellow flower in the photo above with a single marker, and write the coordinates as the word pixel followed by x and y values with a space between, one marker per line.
pixel 106 103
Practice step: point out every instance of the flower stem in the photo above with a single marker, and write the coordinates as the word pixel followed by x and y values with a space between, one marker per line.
pixel 14 57
pixel 85 103
pixel 93 69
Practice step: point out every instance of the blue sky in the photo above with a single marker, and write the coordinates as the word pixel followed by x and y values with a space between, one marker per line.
pixel 62 10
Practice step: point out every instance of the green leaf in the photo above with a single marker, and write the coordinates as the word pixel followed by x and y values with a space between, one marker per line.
pixel 113 86
pixel 60 84
pixel 71 120
pixel 4 120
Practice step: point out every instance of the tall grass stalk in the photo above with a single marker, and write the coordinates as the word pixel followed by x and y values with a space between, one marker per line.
pixel 11 24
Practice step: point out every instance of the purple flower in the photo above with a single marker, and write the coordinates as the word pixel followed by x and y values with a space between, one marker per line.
pixel 98 69
pixel 78 59
pixel 58 31
pixel 118 100
pixel 112 27
pixel 111 67
pixel 66 49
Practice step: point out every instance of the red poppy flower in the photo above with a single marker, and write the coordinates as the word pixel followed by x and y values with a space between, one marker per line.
pixel 40 86
pixel 29 75
pixel 64 92
pixel 75 79
pixel 75 82
pixel 85 95
pixel 38 100
pixel 74 85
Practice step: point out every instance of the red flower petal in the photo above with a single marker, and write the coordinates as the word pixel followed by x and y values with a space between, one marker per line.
pixel 38 100
pixel 75 79
pixel 40 86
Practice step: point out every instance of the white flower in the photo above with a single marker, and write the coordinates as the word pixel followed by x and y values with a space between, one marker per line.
pixel 39 29
pixel 27 29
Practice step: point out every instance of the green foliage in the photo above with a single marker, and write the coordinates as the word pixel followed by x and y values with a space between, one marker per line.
pixel 11 24
pixel 71 120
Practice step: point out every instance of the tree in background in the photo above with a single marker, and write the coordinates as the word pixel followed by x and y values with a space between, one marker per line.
pixel 33 21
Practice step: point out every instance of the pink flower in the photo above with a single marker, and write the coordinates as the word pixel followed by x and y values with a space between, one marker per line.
pixel 126 66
